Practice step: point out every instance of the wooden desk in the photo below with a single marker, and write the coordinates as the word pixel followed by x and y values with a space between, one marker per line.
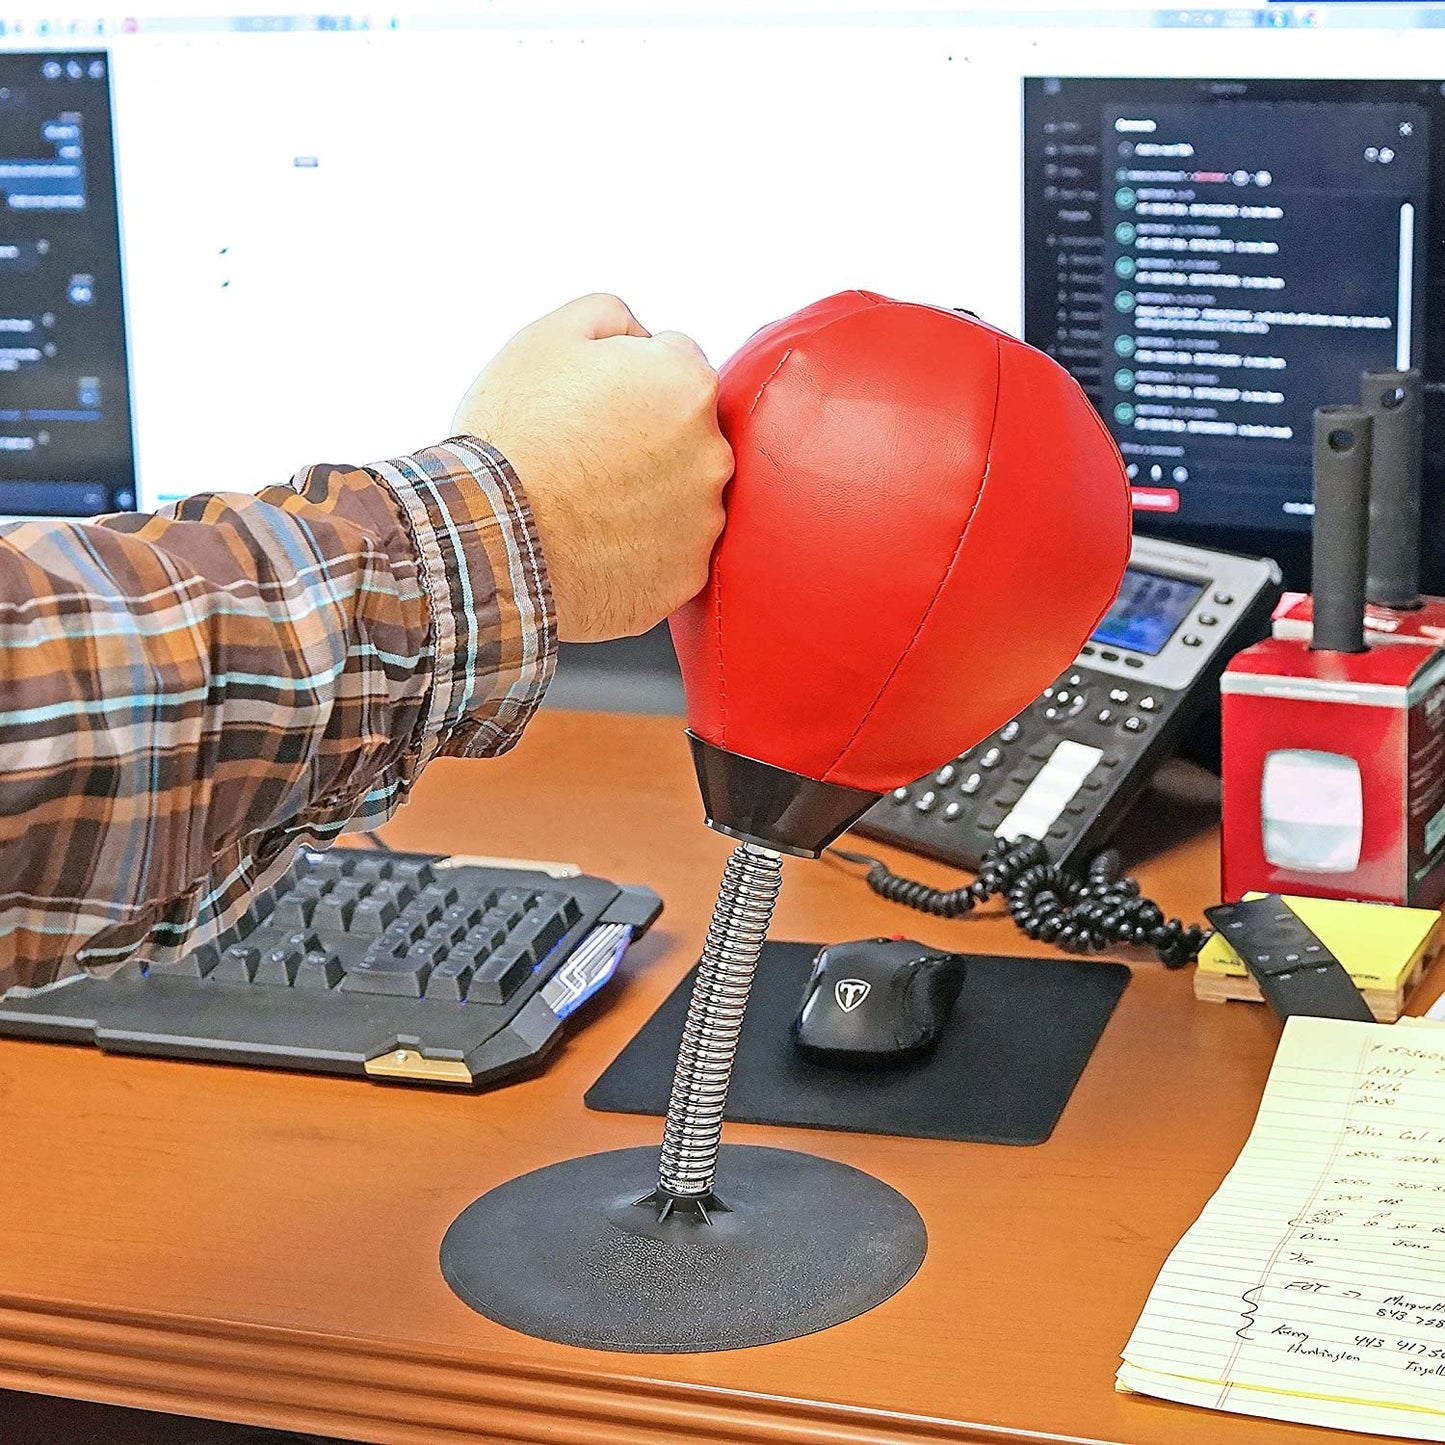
pixel 262 1247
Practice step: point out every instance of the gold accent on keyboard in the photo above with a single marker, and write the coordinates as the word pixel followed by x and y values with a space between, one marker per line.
pixel 414 1067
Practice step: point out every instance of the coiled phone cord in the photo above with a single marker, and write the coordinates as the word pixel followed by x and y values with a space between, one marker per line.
pixel 1078 915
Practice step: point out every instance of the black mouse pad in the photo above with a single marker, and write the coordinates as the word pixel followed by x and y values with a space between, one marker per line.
pixel 1009 1058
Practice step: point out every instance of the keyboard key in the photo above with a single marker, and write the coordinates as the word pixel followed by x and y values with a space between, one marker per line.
pixel 318 970
pixel 449 979
pixel 390 973
pixel 497 978
pixel 262 906
pixel 335 912
pixel 277 968
pixel 196 964
pixel 483 937
pixel 374 914
pixel 237 964
pixel 413 871
pixel 294 911
pixel 542 930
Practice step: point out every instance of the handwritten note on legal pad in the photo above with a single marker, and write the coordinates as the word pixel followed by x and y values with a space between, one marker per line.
pixel 1312 1287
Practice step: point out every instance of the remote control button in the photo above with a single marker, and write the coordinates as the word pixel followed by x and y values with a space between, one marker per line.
pixel 1133 662
pixel 1087 650
pixel 1223 599
pixel 1074 809
pixel 1107 761
pixel 899 795
pixel 971 784
pixel 1104 715
pixel 990 759
pixel 1063 695
pixel 1108 654
pixel 1193 639
pixel 1051 713
pixel 1092 785
pixel 1042 750
pixel 1118 694
pixel 945 775
pixel 1075 679
pixel 926 802
pixel 1008 732
pixel 1148 703
pixel 1208 619
pixel 1134 725
pixel 952 811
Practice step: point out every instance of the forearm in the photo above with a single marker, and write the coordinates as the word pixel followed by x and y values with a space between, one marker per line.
pixel 184 699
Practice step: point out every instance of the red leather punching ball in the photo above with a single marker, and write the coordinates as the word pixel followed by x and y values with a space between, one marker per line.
pixel 926 521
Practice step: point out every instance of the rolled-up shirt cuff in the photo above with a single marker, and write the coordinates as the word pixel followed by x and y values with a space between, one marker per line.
pixel 494 632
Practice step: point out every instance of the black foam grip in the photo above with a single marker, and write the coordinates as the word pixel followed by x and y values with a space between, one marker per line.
pixel 1342 443
pixel 1395 403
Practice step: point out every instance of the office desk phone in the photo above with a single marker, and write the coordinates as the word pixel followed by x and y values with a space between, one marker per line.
pixel 1067 768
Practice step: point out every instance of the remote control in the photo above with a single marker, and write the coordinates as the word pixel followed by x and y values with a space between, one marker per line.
pixel 1295 972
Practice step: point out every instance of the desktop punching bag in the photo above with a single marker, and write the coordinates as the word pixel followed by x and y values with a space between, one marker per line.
pixel 926 521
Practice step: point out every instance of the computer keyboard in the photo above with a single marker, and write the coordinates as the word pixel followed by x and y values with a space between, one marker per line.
pixel 398 966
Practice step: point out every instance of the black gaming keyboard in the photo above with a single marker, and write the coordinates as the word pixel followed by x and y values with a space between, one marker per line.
pixel 398 966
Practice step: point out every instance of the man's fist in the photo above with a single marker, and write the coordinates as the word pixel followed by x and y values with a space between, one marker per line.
pixel 614 435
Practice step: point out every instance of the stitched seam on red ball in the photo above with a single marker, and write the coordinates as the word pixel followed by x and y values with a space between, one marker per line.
pixel 717 610
pixel 1092 414
pixel 717 566
pixel 943 580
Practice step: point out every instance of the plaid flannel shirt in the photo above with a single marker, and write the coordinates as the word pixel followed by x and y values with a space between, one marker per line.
pixel 186 698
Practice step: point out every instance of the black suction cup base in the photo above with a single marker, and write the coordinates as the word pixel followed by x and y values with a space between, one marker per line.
pixel 791 1244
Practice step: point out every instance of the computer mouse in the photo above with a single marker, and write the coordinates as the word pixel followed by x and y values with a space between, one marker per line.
pixel 876 1001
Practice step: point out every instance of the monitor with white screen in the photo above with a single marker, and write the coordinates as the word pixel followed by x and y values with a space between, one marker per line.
pixel 235 243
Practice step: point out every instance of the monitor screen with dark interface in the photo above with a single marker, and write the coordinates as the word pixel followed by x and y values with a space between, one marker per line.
pixel 239 239
pixel 1147 612
pixel 1213 259
pixel 65 424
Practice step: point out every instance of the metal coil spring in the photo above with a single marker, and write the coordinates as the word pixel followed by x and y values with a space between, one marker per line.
pixel 730 953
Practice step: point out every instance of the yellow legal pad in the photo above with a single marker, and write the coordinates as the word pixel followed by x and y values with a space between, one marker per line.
pixel 1384 949
pixel 1312 1286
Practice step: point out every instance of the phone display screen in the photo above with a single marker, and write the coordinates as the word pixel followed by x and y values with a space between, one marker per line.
pixel 1147 612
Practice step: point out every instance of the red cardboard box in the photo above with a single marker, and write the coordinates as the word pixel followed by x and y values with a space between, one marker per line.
pixel 1334 772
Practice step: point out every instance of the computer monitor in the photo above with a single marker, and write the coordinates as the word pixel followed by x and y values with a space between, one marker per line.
pixel 273 236
pixel 1215 258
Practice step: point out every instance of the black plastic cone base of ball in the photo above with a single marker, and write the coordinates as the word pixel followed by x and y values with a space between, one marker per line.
pixel 578 1253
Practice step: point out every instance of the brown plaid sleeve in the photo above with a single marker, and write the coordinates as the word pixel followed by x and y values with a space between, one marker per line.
pixel 186 698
